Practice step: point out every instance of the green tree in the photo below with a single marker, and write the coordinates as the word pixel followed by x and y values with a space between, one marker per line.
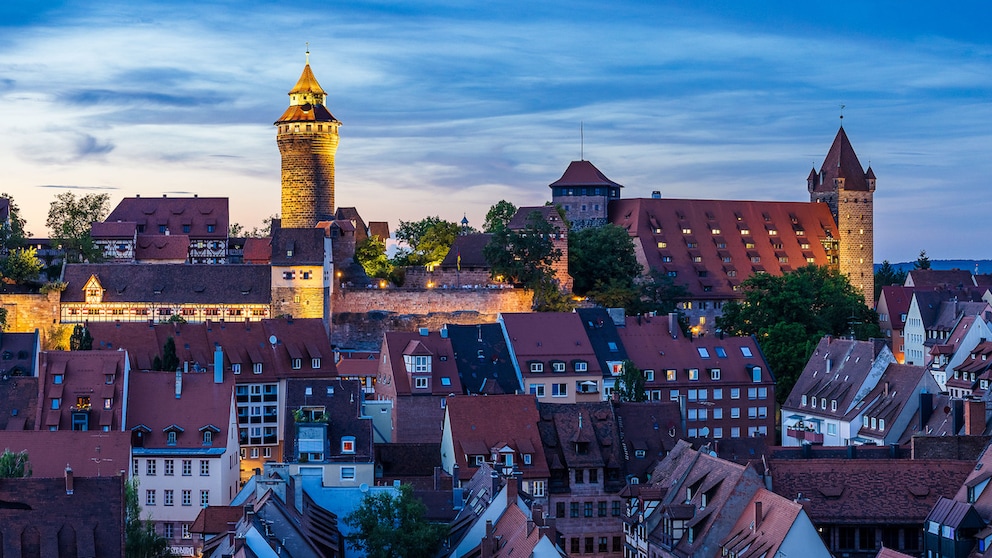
pixel 70 219
pixel 601 255
pixel 3 319
pixel 427 241
pixel 14 465
pixel 140 538
pixel 12 233
pixel 788 314
pixel 658 293
pixel 22 265
pixel 498 216
pixel 371 255
pixel 617 293
pixel 923 261
pixel 630 383
pixel 887 275
pixel 170 361
pixel 525 257
pixel 388 526
pixel 237 230
pixel 81 339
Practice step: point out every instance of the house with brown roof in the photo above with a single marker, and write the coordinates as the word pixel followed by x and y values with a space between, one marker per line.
pixel 142 293
pixel 418 374
pixel 301 273
pixel 866 497
pixel 485 365
pixel 893 309
pixel 584 192
pixel 19 354
pixel 498 429
pixel 90 454
pixel 725 382
pixel 117 240
pixel 827 403
pixel 553 356
pixel 327 434
pixel 647 432
pixel 184 446
pixel 83 390
pixel 773 526
pixel 62 517
pixel 260 356
pixel 931 318
pixel 691 506
pixel 586 459
pixel 956 352
pixel 204 221
pixel 890 406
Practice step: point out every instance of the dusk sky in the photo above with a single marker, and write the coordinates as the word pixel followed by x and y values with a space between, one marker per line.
pixel 447 106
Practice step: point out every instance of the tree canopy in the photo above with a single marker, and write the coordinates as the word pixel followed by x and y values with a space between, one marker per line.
pixel 140 538
pixel 789 313
pixel 69 220
pixel 887 275
pixel 427 241
pixel 601 255
pixel 630 384
pixel 14 465
pixel 12 234
pixel 237 230
pixel 370 253
pixel 923 261
pixel 22 265
pixel 394 526
pixel 498 216
pixel 525 257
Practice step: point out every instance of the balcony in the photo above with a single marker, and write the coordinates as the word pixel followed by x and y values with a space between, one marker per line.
pixel 804 435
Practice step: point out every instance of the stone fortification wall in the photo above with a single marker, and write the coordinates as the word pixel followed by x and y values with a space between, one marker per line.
pixel 28 312
pixel 360 317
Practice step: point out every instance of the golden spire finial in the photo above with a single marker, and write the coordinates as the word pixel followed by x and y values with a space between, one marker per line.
pixel 308 53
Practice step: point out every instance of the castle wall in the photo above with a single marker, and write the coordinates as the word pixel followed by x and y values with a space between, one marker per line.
pixel 28 312
pixel 360 317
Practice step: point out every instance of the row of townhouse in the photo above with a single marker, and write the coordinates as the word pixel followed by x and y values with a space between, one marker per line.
pixel 723 383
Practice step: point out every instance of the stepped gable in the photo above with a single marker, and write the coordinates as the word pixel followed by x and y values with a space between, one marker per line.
pixel 712 246
pixel 168 283
pixel 842 162
pixel 200 218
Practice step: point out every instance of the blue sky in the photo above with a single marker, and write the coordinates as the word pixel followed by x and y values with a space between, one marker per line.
pixel 448 107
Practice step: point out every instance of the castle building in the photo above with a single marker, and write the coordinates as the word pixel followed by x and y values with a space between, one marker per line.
pixel 307 135
pixel 712 246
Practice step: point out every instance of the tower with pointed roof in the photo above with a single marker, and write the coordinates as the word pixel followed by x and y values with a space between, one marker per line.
pixel 584 193
pixel 849 190
pixel 307 135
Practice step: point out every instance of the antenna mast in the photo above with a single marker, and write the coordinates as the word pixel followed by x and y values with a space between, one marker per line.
pixel 582 142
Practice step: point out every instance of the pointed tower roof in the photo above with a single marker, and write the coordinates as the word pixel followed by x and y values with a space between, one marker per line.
pixel 307 83
pixel 583 173
pixel 842 162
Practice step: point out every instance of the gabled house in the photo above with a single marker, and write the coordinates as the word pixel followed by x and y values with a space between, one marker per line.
pixel 418 374
pixel 301 273
pixel 583 447
pixel 931 318
pixel 259 356
pixel 826 405
pixel 204 220
pixel 553 356
pixel 952 528
pixel 84 390
pixel 893 309
pixel 601 329
pixel 648 431
pixel 725 382
pixel 502 430
pixel 890 406
pixel 690 507
pixel 328 436
pixel 184 446
pixel 142 293
pixel 972 376
pixel 117 240
pixel 773 526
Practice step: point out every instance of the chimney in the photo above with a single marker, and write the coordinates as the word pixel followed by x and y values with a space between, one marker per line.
pixel 974 417
pixel 673 324
pixel 454 476
pixel 68 480
pixel 489 542
pixel 656 194
pixel 957 415
pixel 894 451
pixel 757 514
pixel 926 409
pixel 512 489
pixel 218 365
pixel 852 452
pixel 179 383
pixel 886 388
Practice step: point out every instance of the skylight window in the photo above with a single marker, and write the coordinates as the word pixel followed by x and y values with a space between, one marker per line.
pixel 720 352
pixel 703 353
pixel 746 351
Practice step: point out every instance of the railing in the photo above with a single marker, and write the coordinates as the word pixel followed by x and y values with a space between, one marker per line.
pixel 804 435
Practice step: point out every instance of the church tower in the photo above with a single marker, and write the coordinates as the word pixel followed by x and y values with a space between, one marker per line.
pixel 849 190
pixel 307 135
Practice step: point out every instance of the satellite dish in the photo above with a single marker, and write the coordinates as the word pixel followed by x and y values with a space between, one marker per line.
pixel 364 487
pixel 272 339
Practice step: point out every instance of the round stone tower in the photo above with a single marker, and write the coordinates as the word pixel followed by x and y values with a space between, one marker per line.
pixel 307 135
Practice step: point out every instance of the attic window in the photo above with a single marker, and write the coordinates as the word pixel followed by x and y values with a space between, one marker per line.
pixel 537 367
pixel 581 366
pixel 289 253
pixel 720 352
pixel 703 353
pixel 445 381
pixel 746 351
pixel 613 346
pixel 558 366
pixel 347 444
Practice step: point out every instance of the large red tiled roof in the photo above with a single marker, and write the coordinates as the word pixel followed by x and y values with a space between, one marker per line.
pixel 480 422
pixel 172 283
pixel 836 371
pixel 152 402
pixel 897 301
pixel 196 213
pixel 444 370
pixel 583 173
pixel 546 336
pixel 90 454
pixel 711 246
pixel 853 491
pixel 162 247
pixel 84 374
pixel 113 229
pixel 763 532
pixel 258 250
pixel 948 278
pixel 243 343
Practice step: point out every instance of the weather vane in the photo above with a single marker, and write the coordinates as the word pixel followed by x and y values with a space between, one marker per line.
pixel 842 113
pixel 308 56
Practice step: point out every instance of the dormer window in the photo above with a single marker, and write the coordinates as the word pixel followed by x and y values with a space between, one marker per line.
pixel 536 367
pixel 558 366
pixel 256 368
pixel 208 437
pixel 315 363
pixel 171 438
pixel 804 401
pixel 417 363
pixel 527 459
pixel 421 383
pixel 236 367
pixel 581 366
pixel 297 363
pixel 347 444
